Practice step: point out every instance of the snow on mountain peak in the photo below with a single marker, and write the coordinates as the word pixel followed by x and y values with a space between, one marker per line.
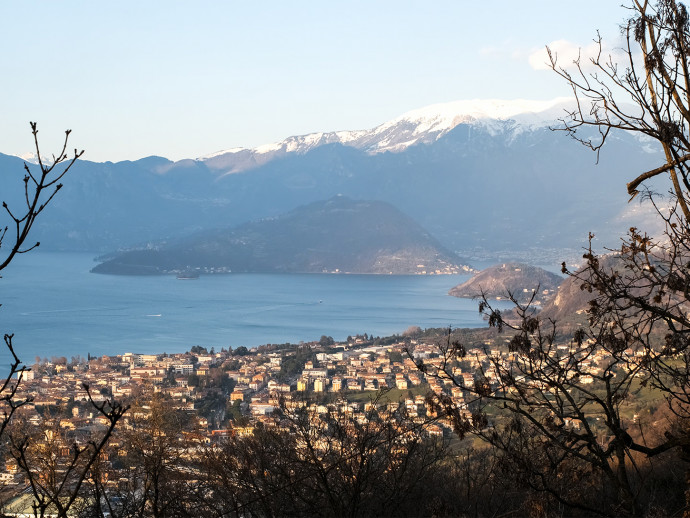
pixel 29 157
pixel 422 125
pixel 440 118
pixel 478 109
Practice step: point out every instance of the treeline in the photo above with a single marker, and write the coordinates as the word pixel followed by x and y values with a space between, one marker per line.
pixel 315 463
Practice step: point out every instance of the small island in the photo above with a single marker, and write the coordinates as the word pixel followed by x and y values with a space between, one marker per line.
pixel 523 281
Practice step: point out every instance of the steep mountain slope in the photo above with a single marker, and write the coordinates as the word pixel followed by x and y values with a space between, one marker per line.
pixel 571 302
pixel 338 235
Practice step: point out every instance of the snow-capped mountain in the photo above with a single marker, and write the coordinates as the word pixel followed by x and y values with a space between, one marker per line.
pixel 476 174
pixel 421 126
pixel 30 157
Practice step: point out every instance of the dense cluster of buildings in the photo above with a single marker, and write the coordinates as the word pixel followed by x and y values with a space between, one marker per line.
pixel 349 374
pixel 231 393
pixel 253 383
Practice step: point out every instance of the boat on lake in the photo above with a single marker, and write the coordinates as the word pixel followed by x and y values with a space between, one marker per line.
pixel 187 276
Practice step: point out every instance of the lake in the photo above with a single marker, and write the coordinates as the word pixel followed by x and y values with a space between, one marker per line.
pixel 56 307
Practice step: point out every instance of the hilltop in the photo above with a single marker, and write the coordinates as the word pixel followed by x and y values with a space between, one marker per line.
pixel 522 280
pixel 339 235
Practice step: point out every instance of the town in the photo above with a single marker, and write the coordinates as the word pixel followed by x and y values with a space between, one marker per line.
pixel 184 411
pixel 249 384
pixel 231 392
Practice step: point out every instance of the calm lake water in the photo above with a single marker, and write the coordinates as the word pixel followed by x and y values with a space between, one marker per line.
pixel 56 307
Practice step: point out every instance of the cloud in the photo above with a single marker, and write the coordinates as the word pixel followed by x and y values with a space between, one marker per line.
pixel 566 52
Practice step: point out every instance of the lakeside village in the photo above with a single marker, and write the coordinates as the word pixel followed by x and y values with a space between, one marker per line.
pixel 232 392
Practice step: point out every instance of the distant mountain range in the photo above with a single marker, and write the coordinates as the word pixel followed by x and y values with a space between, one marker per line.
pixel 422 126
pixel 339 235
pixel 475 174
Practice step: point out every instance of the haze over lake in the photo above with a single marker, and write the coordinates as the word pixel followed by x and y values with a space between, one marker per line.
pixel 56 307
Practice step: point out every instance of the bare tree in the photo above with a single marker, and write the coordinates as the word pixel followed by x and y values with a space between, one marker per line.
pixel 563 412
pixel 158 447
pixel 645 93
pixel 38 191
pixel 562 408
pixel 335 463
pixel 56 464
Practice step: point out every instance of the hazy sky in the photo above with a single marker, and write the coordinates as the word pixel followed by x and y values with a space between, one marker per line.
pixel 183 79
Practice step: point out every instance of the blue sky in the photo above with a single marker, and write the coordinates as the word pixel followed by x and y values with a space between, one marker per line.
pixel 183 79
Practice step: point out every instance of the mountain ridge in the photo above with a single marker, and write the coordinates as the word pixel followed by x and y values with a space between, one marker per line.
pixel 493 184
pixel 422 125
